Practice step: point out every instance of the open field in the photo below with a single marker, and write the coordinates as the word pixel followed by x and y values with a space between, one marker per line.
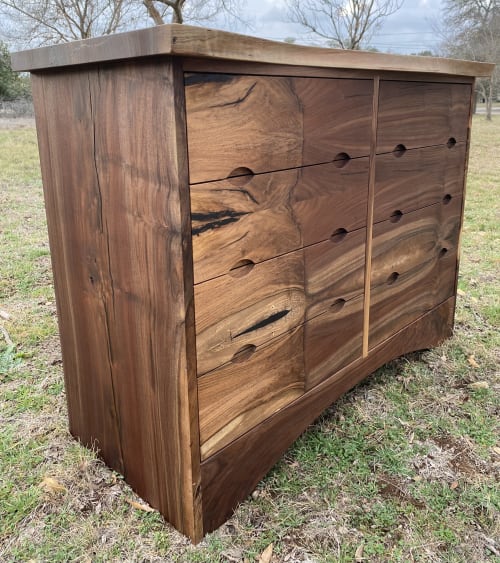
pixel 403 468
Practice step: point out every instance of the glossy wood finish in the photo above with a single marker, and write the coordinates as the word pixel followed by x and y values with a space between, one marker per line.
pixel 248 307
pixel 119 227
pixel 416 114
pixel 334 269
pixel 413 267
pixel 254 453
pixel 185 40
pixel 258 217
pixel 333 339
pixel 418 178
pixel 249 389
pixel 261 123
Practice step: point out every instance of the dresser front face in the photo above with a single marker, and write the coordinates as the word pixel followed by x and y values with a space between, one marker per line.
pixel 294 183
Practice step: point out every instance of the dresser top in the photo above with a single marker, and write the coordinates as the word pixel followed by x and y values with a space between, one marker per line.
pixel 190 41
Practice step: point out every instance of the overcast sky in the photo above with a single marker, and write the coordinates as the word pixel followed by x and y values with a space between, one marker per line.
pixel 409 30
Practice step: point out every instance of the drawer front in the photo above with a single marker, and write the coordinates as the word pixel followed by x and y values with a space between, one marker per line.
pixel 420 114
pixel 334 271
pixel 247 308
pixel 417 178
pixel 396 305
pixel 402 247
pixel 414 267
pixel 238 123
pixel 242 393
pixel 258 217
pixel 333 340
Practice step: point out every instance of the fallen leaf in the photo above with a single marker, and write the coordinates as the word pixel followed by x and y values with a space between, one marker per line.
pixel 358 556
pixel 140 506
pixel 454 485
pixel 4 315
pixel 496 450
pixel 265 556
pixel 461 292
pixel 472 361
pixel 52 485
pixel 479 385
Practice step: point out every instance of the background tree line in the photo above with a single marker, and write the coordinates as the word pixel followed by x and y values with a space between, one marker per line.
pixel 472 27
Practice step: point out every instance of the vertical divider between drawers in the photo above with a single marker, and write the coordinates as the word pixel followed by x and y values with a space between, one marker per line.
pixel 369 218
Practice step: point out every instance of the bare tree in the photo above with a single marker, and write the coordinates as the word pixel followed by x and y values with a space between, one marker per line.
pixel 57 21
pixel 33 22
pixel 347 24
pixel 472 31
pixel 193 11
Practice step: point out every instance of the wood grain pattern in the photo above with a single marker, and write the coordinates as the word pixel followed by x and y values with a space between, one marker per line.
pixel 265 123
pixel 414 239
pixel 418 178
pixel 258 217
pixel 334 269
pixel 333 340
pixel 204 65
pixel 232 474
pixel 241 394
pixel 120 227
pixel 414 267
pixel 421 114
pixel 186 40
pixel 77 245
pixel 234 312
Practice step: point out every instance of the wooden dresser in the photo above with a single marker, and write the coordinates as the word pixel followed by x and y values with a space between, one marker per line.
pixel 241 230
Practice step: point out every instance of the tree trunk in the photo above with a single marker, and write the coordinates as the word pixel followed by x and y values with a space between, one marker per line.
pixel 154 14
pixel 489 99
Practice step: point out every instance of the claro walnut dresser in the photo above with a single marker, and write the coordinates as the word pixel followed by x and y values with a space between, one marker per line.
pixel 241 230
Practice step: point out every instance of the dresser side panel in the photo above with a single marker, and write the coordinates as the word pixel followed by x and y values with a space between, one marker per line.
pixel 113 152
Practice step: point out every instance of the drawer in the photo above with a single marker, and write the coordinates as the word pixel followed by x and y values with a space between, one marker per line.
pixel 247 307
pixel 241 123
pixel 419 114
pixel 414 267
pixel 257 217
pixel 333 340
pixel 244 392
pixel 403 245
pixel 334 270
pixel 417 178
pixel 396 304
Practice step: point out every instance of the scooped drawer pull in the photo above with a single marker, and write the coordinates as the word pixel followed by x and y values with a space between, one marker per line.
pixel 337 305
pixel 243 354
pixel 338 235
pixel 241 268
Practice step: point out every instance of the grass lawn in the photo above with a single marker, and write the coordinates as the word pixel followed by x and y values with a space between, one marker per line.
pixel 403 468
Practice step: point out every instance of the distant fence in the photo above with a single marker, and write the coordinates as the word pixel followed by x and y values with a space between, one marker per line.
pixel 22 107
